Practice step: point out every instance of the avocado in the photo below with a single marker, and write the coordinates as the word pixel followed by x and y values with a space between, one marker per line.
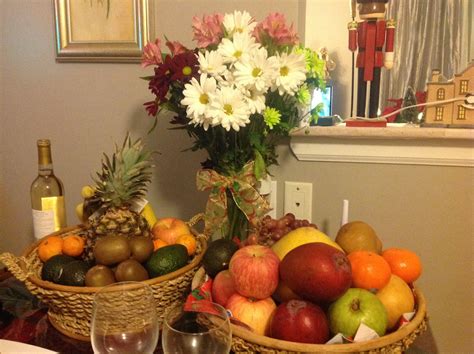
pixel 167 259
pixel 218 255
pixel 111 249
pixel 130 270
pixel 99 275
pixel 53 267
pixel 74 273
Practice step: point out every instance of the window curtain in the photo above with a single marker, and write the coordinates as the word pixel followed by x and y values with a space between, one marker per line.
pixel 430 34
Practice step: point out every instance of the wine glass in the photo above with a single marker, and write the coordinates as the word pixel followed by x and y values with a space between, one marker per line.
pixel 124 319
pixel 200 327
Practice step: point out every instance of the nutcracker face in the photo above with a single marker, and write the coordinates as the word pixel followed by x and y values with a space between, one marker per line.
pixel 370 10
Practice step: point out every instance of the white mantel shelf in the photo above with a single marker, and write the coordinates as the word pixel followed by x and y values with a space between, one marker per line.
pixel 391 145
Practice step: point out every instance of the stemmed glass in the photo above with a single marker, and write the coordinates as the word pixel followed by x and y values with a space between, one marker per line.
pixel 201 327
pixel 124 319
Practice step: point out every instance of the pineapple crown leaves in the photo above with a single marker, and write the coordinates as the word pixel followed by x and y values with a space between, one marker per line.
pixel 124 176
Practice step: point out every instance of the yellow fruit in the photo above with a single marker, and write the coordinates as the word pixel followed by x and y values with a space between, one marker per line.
pixel 87 192
pixel 397 298
pixel 80 212
pixel 301 236
pixel 149 214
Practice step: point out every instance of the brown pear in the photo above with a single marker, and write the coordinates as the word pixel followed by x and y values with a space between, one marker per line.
pixel 358 236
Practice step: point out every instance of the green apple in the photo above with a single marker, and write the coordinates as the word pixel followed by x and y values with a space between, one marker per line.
pixel 354 307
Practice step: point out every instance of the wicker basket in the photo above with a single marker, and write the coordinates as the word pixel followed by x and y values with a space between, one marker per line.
pixel 244 341
pixel 70 307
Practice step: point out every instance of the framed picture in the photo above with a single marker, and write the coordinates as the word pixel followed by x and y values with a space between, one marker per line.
pixel 102 30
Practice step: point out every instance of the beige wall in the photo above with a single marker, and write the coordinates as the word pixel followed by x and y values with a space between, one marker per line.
pixel 85 108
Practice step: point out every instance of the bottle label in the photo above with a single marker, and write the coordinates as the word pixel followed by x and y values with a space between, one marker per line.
pixel 51 218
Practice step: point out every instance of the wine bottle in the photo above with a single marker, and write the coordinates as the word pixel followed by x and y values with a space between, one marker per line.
pixel 47 195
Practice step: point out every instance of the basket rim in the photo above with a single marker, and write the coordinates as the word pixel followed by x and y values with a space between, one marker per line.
pixel 349 347
pixel 90 289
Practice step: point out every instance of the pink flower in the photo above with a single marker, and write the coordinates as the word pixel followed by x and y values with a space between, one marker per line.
pixel 175 47
pixel 208 30
pixel 274 26
pixel 152 54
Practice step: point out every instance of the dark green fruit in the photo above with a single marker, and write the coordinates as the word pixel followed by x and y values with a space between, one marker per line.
pixel 141 248
pixel 218 255
pixel 99 275
pixel 74 273
pixel 110 250
pixel 53 267
pixel 167 259
pixel 130 270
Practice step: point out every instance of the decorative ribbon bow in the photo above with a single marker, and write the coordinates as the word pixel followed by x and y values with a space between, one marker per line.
pixel 244 194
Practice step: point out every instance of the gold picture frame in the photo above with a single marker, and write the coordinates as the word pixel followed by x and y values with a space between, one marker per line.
pixel 114 31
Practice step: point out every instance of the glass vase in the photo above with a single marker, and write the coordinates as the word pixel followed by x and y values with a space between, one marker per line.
pixel 238 223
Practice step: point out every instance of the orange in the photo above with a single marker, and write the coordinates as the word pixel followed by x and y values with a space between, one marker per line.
pixel 189 242
pixel 404 263
pixel 49 247
pixel 370 271
pixel 73 245
pixel 158 243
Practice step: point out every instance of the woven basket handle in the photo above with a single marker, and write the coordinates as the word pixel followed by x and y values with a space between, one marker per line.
pixel 196 219
pixel 16 265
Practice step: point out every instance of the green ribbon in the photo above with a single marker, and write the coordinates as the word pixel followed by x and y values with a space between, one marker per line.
pixel 244 195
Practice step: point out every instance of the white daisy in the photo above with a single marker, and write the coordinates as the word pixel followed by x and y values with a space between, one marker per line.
pixel 255 100
pixel 229 109
pixel 238 48
pixel 255 72
pixel 291 72
pixel 238 22
pixel 197 98
pixel 211 62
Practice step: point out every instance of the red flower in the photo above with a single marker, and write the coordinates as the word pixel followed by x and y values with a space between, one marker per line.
pixel 151 107
pixel 183 66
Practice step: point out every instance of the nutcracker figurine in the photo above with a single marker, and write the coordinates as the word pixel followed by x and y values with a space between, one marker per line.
pixel 369 36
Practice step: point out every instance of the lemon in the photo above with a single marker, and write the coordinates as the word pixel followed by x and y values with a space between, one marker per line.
pixel 301 236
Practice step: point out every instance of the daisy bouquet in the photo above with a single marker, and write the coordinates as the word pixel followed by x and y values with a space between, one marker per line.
pixel 244 86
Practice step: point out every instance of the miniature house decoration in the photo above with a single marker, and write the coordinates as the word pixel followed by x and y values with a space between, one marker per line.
pixel 452 114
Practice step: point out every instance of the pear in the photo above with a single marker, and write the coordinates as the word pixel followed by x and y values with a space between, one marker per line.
pixel 358 236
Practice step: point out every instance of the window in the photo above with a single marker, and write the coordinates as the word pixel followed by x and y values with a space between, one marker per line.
pixel 463 86
pixel 440 94
pixel 461 113
pixel 439 114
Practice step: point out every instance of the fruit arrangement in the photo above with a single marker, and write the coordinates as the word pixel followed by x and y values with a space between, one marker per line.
pixel 306 288
pixel 119 241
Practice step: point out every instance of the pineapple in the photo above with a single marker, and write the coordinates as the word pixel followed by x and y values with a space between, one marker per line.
pixel 123 180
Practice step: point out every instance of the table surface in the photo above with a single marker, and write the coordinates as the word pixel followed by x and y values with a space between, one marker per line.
pixel 34 328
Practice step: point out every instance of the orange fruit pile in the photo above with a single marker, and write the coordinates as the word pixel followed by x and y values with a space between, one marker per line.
pixel 70 245
pixel 404 263
pixel 370 271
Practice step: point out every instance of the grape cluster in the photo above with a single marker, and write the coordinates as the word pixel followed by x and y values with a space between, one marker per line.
pixel 271 230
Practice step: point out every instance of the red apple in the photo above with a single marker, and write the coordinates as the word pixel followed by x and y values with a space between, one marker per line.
pixel 222 287
pixel 254 313
pixel 254 269
pixel 317 272
pixel 169 229
pixel 300 321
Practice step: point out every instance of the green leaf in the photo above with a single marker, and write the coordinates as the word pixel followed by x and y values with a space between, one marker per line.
pixel 259 166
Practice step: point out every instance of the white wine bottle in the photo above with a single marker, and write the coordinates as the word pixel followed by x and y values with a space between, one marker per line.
pixel 47 195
